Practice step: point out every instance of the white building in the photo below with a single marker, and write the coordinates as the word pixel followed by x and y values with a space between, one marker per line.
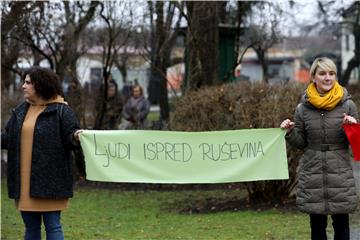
pixel 348 44
pixel 283 65
pixel 89 68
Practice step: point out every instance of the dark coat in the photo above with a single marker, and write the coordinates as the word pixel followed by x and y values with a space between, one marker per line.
pixel 51 168
pixel 112 115
pixel 136 110
pixel 326 182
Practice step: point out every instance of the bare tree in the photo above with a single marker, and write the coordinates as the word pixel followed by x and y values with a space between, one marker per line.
pixel 163 33
pixel 77 16
pixel 262 33
pixel 13 18
pixel 353 23
pixel 261 42
pixel 243 10
pixel 53 32
pixel 204 20
pixel 118 18
pixel 331 17
pixel 202 44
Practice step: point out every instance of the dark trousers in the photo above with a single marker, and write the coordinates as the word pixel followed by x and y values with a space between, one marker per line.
pixel 340 224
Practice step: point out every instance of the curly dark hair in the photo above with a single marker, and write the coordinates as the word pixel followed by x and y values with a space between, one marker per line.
pixel 46 83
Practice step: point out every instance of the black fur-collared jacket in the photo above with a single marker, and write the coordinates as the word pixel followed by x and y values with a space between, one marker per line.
pixel 51 167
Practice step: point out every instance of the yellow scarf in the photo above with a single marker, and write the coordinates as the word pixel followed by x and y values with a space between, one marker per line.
pixel 329 100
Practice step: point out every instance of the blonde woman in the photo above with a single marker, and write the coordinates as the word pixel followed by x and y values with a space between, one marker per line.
pixel 326 183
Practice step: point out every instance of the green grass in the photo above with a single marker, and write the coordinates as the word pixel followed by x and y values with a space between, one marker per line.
pixel 116 214
pixel 153 116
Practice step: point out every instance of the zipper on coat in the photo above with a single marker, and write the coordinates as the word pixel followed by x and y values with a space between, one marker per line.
pixel 324 161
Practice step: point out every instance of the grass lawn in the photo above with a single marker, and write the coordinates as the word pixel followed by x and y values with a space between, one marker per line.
pixel 119 214
pixel 153 116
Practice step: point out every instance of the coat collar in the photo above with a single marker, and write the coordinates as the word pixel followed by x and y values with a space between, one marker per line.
pixel 21 109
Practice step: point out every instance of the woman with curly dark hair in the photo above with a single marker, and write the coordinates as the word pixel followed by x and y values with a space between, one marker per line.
pixel 39 137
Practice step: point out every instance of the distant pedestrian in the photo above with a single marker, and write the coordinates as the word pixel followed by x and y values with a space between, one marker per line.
pixel 135 110
pixel 39 138
pixel 114 105
pixel 326 183
pixel 238 74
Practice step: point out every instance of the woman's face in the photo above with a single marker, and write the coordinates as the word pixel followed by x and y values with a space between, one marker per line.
pixel 28 89
pixel 111 90
pixel 136 92
pixel 324 80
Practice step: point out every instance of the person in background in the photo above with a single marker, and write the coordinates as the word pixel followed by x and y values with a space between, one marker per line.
pixel 39 138
pixel 126 91
pixel 238 74
pixel 114 105
pixel 135 110
pixel 326 183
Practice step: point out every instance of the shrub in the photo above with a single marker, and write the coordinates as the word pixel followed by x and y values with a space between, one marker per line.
pixel 354 90
pixel 241 106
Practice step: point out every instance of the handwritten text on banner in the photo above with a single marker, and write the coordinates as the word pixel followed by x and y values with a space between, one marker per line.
pixel 185 157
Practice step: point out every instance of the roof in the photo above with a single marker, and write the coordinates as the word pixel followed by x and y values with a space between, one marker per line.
pixel 122 50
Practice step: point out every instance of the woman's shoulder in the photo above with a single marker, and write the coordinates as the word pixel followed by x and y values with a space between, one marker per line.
pixel 346 95
pixel 62 109
pixel 347 98
pixel 65 111
pixel 21 107
pixel 65 108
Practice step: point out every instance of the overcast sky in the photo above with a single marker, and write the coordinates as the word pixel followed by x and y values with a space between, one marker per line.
pixel 305 12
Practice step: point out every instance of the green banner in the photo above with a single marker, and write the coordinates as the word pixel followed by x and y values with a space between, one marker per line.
pixel 185 157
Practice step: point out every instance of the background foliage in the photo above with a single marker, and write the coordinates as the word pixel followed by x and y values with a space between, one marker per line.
pixel 241 106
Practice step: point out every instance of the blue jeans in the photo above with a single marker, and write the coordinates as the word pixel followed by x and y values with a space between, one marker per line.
pixel 52 224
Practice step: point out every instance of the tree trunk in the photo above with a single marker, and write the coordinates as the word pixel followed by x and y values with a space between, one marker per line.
pixel 160 53
pixel 202 44
pixel 355 61
pixel 121 66
pixel 9 55
pixel 66 66
pixel 7 78
pixel 162 65
pixel 9 59
pixel 67 70
pixel 102 100
pixel 264 64
pixel 352 64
